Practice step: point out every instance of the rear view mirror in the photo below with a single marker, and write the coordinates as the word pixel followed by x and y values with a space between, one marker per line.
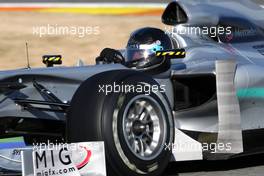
pixel 174 14
pixel 50 60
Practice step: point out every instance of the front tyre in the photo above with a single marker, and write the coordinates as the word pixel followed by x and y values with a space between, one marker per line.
pixel 135 125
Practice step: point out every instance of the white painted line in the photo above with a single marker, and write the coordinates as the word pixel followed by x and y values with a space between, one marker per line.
pixel 185 148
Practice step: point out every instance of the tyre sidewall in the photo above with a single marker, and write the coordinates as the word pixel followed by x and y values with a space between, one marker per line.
pixel 116 138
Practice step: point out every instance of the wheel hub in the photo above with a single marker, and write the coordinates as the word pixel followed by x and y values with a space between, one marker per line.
pixel 142 127
pixel 138 128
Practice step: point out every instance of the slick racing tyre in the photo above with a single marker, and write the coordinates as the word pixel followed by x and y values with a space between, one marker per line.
pixel 134 125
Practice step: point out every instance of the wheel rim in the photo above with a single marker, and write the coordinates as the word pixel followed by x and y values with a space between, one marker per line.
pixel 144 127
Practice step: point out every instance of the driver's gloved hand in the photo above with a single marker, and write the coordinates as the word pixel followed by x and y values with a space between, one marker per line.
pixel 109 55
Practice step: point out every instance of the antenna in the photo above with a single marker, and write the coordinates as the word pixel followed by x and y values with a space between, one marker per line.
pixel 28 64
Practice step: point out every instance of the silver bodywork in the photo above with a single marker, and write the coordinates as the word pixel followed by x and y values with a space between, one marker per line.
pixel 62 81
pixel 202 53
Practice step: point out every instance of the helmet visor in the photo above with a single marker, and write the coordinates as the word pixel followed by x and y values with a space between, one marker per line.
pixel 134 55
pixel 142 51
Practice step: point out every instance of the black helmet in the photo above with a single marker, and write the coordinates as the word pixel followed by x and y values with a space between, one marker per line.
pixel 142 46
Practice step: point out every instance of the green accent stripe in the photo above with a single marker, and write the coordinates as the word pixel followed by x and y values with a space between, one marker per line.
pixel 251 93
pixel 14 139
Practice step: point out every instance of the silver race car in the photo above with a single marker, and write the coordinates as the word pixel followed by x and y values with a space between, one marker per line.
pixel 193 92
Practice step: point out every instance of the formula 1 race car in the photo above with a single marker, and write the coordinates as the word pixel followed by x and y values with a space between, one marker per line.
pixel 207 105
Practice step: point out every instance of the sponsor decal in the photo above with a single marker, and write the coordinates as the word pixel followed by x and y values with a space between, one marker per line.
pixel 254 92
pixel 10 143
pixel 86 158
pixel 77 159
pixel 156 46
pixel 54 162
pixel 171 54
pixel 11 159
pixel 244 32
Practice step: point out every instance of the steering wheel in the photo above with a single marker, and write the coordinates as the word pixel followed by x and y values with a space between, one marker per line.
pixel 109 55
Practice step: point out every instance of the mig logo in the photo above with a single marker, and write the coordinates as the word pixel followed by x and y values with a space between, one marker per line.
pixel 82 158
pixel 61 161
